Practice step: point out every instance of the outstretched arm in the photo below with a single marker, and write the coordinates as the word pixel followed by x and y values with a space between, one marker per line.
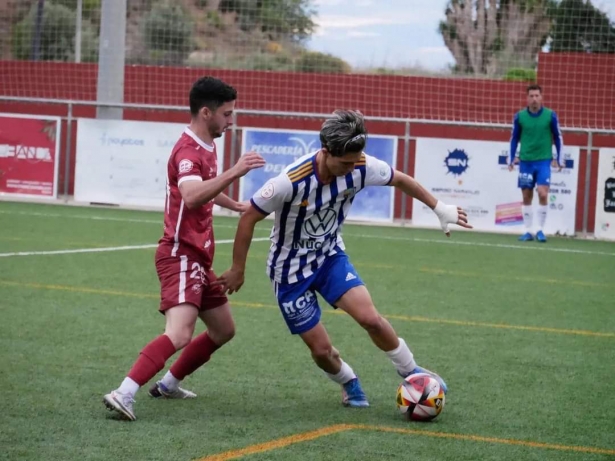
pixel 447 214
pixel 232 280
pixel 225 201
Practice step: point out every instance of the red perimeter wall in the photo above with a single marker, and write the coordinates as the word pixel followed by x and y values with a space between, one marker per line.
pixel 580 87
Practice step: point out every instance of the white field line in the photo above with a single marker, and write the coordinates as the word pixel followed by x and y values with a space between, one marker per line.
pixel 102 250
pixel 532 246
pixel 96 218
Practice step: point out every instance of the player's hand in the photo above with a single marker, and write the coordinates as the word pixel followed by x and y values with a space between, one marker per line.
pixel 247 162
pixel 451 214
pixel 242 207
pixel 512 164
pixel 230 281
pixel 556 165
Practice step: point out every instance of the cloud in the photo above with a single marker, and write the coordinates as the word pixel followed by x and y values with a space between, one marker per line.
pixel 358 33
pixel 432 50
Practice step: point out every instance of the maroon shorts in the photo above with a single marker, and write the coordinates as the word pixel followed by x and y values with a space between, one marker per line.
pixel 183 279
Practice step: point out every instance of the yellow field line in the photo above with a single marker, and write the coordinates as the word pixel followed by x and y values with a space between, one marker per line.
pixel 478 438
pixel 278 443
pixel 406 318
pixel 311 435
pixel 513 278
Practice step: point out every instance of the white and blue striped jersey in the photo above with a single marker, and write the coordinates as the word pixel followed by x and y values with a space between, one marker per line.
pixel 309 214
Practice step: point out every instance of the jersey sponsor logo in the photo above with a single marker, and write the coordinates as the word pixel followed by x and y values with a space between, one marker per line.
pixel 302 302
pixel 185 166
pixel 307 244
pixel 267 191
pixel 321 223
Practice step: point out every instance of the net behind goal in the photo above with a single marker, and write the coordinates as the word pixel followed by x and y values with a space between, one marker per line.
pixel 50 49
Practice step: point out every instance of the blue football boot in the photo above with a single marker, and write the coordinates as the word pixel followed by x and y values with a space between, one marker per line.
pixel 527 237
pixel 431 373
pixel 353 395
pixel 541 237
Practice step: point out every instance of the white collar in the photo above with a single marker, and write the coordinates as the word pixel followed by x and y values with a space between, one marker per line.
pixel 204 145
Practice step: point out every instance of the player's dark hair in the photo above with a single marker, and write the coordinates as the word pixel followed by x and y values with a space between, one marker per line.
pixel 344 132
pixel 533 87
pixel 210 92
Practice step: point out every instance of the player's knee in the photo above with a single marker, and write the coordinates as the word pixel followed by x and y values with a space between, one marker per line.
pixel 223 335
pixel 180 337
pixel 322 352
pixel 373 323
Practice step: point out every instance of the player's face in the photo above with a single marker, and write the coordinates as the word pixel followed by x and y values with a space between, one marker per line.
pixel 341 166
pixel 221 119
pixel 534 100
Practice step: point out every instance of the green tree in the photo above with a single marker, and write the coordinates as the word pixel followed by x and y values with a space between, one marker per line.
pixel 278 19
pixel 57 39
pixel 579 26
pixel 490 36
pixel 168 33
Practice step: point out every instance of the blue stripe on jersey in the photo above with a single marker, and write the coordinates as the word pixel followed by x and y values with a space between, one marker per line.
pixel 363 171
pixel 318 206
pixel 334 192
pixel 297 231
pixel 282 232
pixel 349 186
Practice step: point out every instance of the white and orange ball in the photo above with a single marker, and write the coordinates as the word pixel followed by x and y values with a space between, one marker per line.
pixel 420 397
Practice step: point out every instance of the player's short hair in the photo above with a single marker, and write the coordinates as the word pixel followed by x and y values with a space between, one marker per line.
pixel 344 132
pixel 210 92
pixel 533 87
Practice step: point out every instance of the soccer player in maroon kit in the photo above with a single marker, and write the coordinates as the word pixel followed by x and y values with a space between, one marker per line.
pixel 185 252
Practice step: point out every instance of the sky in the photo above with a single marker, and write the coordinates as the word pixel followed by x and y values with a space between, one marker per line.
pixel 389 33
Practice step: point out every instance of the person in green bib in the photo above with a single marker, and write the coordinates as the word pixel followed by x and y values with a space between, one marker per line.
pixel 536 127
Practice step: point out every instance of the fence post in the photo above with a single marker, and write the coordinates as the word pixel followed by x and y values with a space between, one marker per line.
pixel 404 197
pixel 232 155
pixel 588 167
pixel 69 135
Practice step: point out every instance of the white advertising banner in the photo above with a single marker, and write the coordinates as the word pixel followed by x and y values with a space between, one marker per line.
pixel 474 175
pixel 125 162
pixel 605 196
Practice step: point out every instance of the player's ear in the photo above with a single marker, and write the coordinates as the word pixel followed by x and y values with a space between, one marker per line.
pixel 205 112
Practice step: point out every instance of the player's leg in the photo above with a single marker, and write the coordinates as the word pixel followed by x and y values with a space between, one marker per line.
pixel 179 303
pixel 343 288
pixel 328 360
pixel 180 321
pixel 526 183
pixel 301 312
pixel 216 314
pixel 543 182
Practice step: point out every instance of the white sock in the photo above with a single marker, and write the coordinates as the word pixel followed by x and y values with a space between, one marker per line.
pixel 345 374
pixel 542 216
pixel 402 358
pixel 128 386
pixel 528 215
pixel 170 381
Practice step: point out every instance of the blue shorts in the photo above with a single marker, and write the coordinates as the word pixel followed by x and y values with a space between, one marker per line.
pixel 534 173
pixel 298 301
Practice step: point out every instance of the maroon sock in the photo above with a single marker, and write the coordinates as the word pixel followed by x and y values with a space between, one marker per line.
pixel 151 360
pixel 197 353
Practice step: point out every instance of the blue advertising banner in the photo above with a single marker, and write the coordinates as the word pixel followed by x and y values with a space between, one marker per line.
pixel 280 148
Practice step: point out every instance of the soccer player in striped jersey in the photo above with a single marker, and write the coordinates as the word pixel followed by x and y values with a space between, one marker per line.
pixel 185 252
pixel 311 199
pixel 537 128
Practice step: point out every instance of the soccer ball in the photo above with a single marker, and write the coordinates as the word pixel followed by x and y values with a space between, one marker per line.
pixel 420 397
